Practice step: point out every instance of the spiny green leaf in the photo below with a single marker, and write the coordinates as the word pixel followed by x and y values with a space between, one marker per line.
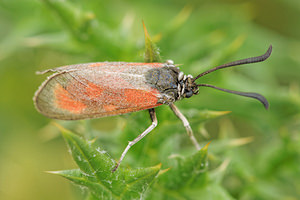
pixel 95 167
pixel 76 176
pixel 188 170
pixel 138 180
pixel 151 51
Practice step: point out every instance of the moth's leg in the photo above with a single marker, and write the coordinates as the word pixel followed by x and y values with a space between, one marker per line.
pixel 131 143
pixel 186 124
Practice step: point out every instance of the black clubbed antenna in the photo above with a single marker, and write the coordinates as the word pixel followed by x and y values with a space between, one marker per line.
pixel 239 62
pixel 257 96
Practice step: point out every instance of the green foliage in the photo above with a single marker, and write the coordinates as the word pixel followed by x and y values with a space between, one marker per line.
pixel 95 173
pixel 177 181
pixel 253 153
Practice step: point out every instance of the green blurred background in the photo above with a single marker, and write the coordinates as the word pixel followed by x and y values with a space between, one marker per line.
pixel 41 34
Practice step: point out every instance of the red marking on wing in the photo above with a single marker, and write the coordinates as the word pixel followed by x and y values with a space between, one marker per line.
pixel 65 101
pixel 93 91
pixel 109 108
pixel 109 100
pixel 114 101
pixel 138 98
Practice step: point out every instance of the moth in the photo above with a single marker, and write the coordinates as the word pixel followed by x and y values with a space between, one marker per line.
pixel 95 90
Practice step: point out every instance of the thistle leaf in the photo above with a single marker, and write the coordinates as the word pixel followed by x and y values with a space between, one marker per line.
pixel 94 172
pixel 152 53
pixel 188 170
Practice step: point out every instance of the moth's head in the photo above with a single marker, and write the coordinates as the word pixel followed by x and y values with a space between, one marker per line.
pixel 193 87
pixel 186 87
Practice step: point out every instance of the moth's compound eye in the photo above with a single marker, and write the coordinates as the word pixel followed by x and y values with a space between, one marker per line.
pixel 188 94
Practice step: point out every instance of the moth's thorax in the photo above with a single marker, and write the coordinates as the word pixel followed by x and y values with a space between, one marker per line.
pixel 172 83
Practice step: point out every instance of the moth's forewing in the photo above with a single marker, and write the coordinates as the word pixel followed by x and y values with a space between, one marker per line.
pixel 96 90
